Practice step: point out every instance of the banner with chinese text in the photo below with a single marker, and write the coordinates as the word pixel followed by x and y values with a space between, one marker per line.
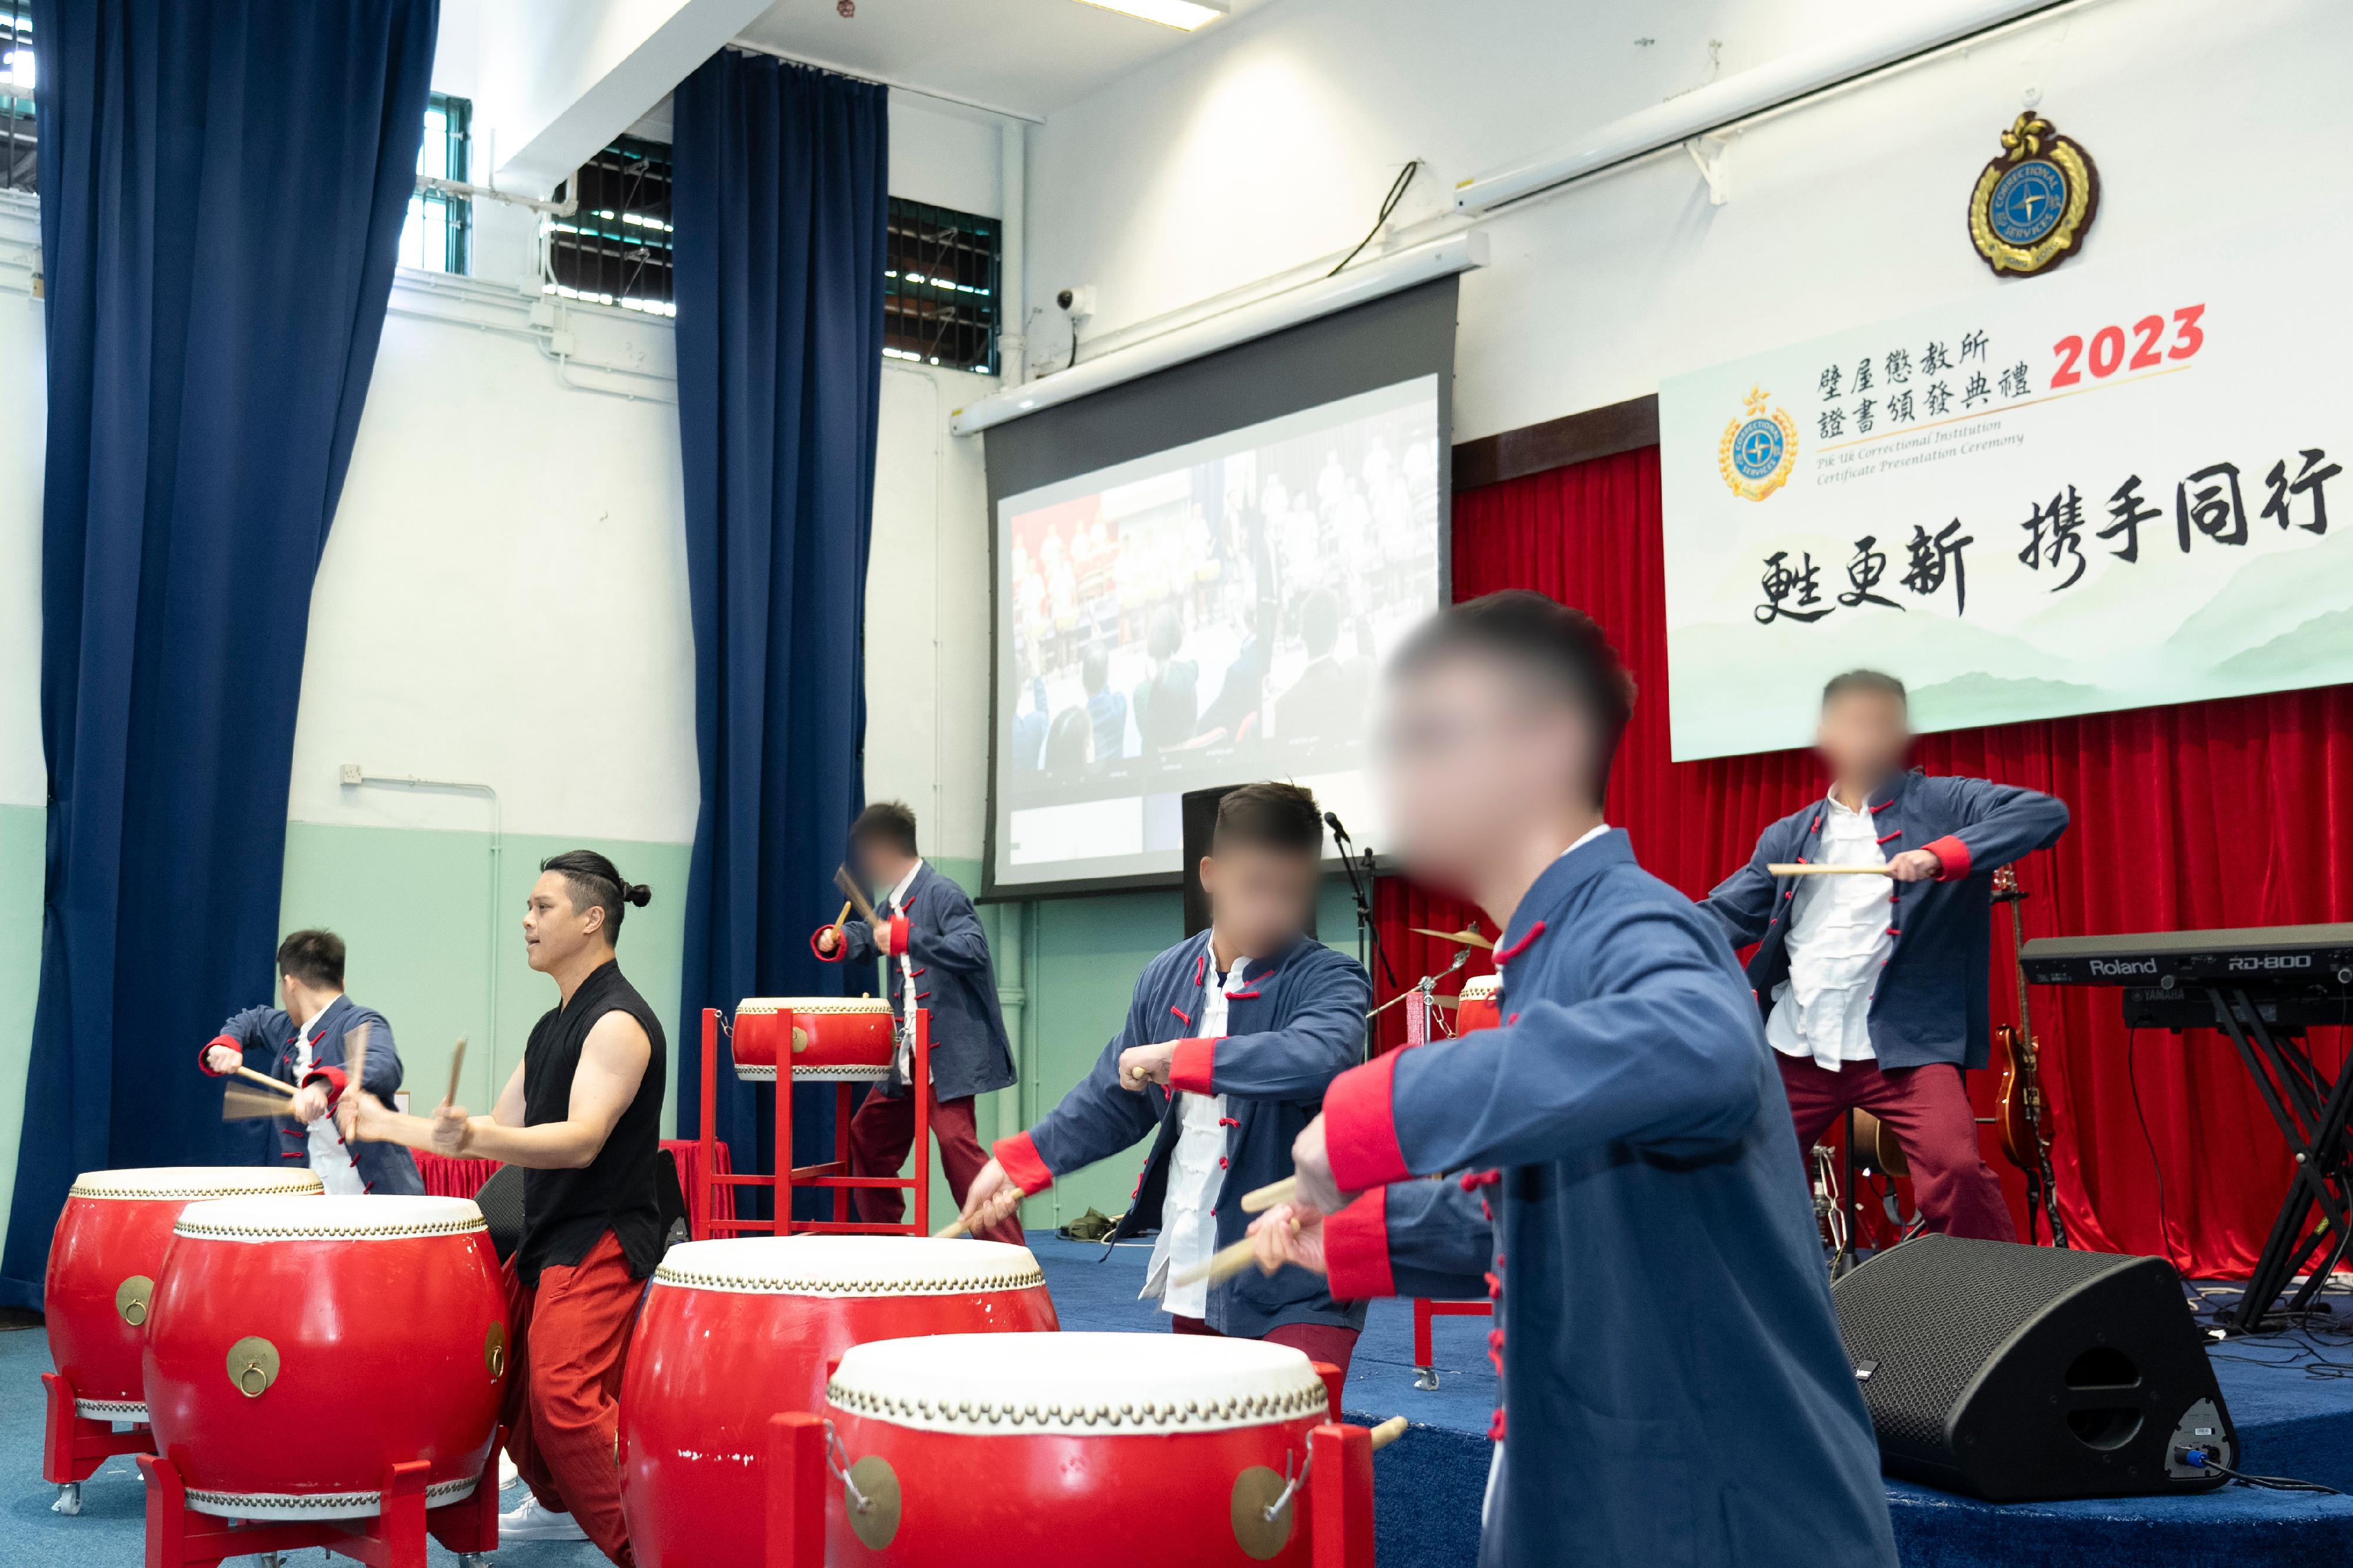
pixel 2104 487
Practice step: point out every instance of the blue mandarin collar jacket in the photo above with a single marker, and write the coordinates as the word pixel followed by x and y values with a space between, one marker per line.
pixel 1290 1030
pixel 1930 1006
pixel 266 1037
pixel 1674 1389
pixel 940 932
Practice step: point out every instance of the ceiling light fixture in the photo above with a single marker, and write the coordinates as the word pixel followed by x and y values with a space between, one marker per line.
pixel 1185 16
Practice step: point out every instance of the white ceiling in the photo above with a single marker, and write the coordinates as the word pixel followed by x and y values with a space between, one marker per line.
pixel 1024 56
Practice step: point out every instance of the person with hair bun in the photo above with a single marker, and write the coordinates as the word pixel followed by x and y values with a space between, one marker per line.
pixel 582 1115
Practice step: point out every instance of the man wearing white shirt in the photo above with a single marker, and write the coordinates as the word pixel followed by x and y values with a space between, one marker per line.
pixel 1229 1040
pixel 1876 986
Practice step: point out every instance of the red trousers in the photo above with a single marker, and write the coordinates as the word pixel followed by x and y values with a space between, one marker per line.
pixel 1927 1109
pixel 571 1335
pixel 1317 1341
pixel 881 1135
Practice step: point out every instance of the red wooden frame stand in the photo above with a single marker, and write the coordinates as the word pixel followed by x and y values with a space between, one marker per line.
pixel 394 1538
pixel 833 1175
pixel 73 1446
pixel 1424 1373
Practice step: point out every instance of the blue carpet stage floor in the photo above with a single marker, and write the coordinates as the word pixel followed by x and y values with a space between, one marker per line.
pixel 2292 1406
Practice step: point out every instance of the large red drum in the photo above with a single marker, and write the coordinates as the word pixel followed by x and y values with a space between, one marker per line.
pixel 297 1350
pixel 105 1257
pixel 1145 1450
pixel 736 1332
pixel 1480 1008
pixel 827 1039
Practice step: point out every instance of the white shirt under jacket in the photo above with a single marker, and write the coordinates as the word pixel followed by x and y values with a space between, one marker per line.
pixel 1838 944
pixel 1188 1220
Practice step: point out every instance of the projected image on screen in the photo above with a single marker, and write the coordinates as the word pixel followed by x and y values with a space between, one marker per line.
pixel 1206 616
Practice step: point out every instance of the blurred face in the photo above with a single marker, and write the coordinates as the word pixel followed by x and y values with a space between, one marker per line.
pixel 1864 736
pixel 879 863
pixel 1470 757
pixel 302 1003
pixel 1259 896
pixel 552 930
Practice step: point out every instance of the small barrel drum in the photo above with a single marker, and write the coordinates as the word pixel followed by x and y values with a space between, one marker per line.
pixel 1146 1450
pixel 296 1350
pixel 826 1040
pixel 1479 1009
pixel 105 1257
pixel 736 1332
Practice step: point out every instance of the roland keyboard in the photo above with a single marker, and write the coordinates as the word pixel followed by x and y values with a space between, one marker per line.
pixel 2311 959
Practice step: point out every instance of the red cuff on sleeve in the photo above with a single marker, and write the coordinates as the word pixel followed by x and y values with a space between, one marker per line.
pixel 1357 1249
pixel 231 1041
pixel 839 943
pixel 1360 1127
pixel 333 1078
pixel 1192 1066
pixel 1953 854
pixel 1019 1155
pixel 891 938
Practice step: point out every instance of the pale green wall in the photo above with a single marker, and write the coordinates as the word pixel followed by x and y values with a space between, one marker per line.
pixel 416 910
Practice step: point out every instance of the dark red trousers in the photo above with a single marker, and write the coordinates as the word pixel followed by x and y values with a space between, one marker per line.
pixel 563 1373
pixel 1317 1341
pixel 881 1135
pixel 1927 1109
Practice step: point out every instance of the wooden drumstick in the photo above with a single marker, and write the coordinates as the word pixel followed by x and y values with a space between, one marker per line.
pixel 1222 1265
pixel 356 1045
pixel 239 1103
pixel 1264 1198
pixel 457 1065
pixel 1388 1432
pixel 1800 869
pixel 850 891
pixel 265 1081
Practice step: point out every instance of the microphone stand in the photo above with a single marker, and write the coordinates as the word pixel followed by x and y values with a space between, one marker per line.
pixel 1360 890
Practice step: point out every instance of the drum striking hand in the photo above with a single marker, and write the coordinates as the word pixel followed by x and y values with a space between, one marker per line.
pixel 1140 1065
pixel 308 1104
pixel 1317 1190
pixel 224 1059
pixel 1915 865
pixel 452 1130
pixel 1289 1233
pixel 990 1198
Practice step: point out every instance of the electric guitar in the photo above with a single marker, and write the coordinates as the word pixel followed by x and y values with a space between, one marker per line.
pixel 2021 1114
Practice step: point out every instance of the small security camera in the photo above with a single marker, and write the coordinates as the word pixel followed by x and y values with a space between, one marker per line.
pixel 1077 303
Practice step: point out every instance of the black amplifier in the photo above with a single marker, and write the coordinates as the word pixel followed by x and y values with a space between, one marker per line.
pixel 2315 960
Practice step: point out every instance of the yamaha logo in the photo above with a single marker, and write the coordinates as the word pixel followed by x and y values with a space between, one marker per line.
pixel 2120 967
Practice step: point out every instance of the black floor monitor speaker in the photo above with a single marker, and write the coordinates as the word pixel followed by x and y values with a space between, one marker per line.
pixel 2018 1374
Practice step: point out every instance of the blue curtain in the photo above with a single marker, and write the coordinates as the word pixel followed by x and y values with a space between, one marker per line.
pixel 223 183
pixel 781 196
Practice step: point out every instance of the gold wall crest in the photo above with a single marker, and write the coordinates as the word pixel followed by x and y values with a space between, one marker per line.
pixel 1759 448
pixel 2032 205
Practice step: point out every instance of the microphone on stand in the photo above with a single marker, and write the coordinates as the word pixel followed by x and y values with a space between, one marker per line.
pixel 1339 830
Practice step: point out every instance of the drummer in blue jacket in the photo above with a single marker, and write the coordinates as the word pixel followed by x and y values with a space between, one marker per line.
pixel 1674 1388
pixel 1229 1041
pixel 304 1043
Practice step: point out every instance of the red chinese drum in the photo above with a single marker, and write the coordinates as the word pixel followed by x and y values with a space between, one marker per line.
pixel 1144 1450
pixel 841 1039
pixel 297 1350
pixel 736 1332
pixel 105 1260
pixel 1480 1009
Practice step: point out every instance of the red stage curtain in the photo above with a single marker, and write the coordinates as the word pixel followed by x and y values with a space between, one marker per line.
pixel 2206 814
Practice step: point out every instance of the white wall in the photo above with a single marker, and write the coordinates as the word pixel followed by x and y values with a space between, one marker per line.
pixel 1267 145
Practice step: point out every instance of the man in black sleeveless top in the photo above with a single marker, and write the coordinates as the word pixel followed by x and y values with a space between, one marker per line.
pixel 581 1116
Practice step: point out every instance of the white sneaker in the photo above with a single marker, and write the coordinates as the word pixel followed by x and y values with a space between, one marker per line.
pixel 529 1521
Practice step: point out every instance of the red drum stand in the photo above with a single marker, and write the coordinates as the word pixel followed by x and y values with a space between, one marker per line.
pixel 394 1538
pixel 831 1176
pixel 73 1446
pixel 1417 1032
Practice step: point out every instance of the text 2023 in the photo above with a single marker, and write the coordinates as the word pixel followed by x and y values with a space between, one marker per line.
pixel 2106 355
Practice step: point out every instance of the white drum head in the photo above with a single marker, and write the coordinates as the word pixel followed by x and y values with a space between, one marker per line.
pixel 1110 1385
pixel 338 1218
pixel 194 1183
pixel 849 1266
pixel 1479 986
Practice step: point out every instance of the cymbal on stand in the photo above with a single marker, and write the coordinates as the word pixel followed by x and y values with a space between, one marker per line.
pixel 1459 938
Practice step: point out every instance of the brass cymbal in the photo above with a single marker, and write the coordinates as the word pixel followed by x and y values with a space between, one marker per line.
pixel 1459 938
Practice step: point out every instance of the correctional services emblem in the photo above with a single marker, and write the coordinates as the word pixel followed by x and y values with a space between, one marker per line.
pixel 1758 448
pixel 2034 203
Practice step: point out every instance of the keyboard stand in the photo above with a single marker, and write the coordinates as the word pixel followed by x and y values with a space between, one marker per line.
pixel 2313 1113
